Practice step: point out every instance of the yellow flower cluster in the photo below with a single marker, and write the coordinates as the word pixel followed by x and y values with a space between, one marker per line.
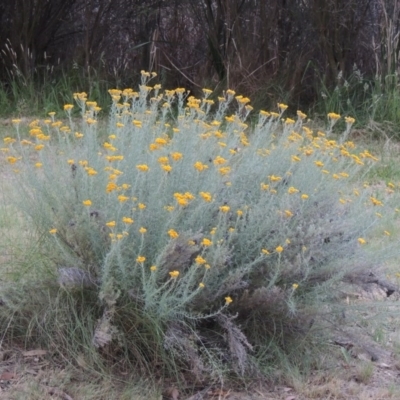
pixel 213 154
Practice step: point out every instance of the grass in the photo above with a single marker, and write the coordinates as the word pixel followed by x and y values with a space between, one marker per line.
pixel 41 383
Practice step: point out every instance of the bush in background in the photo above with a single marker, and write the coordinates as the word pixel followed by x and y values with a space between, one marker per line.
pixel 182 237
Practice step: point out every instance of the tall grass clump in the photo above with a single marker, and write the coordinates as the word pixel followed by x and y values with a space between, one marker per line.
pixel 182 238
pixel 373 102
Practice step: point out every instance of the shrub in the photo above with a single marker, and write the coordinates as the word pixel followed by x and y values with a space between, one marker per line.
pixel 179 235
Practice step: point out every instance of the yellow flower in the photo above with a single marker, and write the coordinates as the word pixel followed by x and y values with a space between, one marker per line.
pixel 189 196
pixel 213 230
pixel 182 201
pixel 200 260
pixel 191 242
pixel 153 268
pixel 87 203
pixel 53 231
pixel 207 266
pixel 375 201
pixel 387 233
pixel 127 220
pixel 282 106
pixel 68 107
pixel 239 213
pixel 173 233
pixel 141 259
pixel 242 100
pixel 304 196
pixel 111 186
pixel 35 131
pixel 219 160
pixel 349 120
pixel 38 165
pixel 224 170
pixel 121 198
pixel 264 186
pixel 289 121
pixel 110 224
pixel 201 285
pixel 39 147
pixel 265 251
pixel 279 249
pixel 228 300
pixel 319 163
pixel 78 135
pixel 174 274
pixel 333 116
pixel 108 146
pixel 160 141
pixel 163 160
pixel 264 113
pixel 295 159
pixel 176 156
pixel 153 146
pixel 141 206
pixel 288 214
pixel 16 121
pixel 224 209
pixel 206 196
pixel 206 242
pixel 142 230
pixel 200 166
pixel 70 161
pixel 142 167
pixel 301 115
pixel 91 171
pixel 292 190
pixel 361 241
pixel 166 168
pixel 274 114
pixel 274 178
pixel 295 286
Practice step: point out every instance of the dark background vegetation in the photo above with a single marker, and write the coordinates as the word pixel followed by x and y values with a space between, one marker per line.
pixel 298 51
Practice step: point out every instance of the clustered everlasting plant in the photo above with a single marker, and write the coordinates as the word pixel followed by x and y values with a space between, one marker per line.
pixel 191 231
